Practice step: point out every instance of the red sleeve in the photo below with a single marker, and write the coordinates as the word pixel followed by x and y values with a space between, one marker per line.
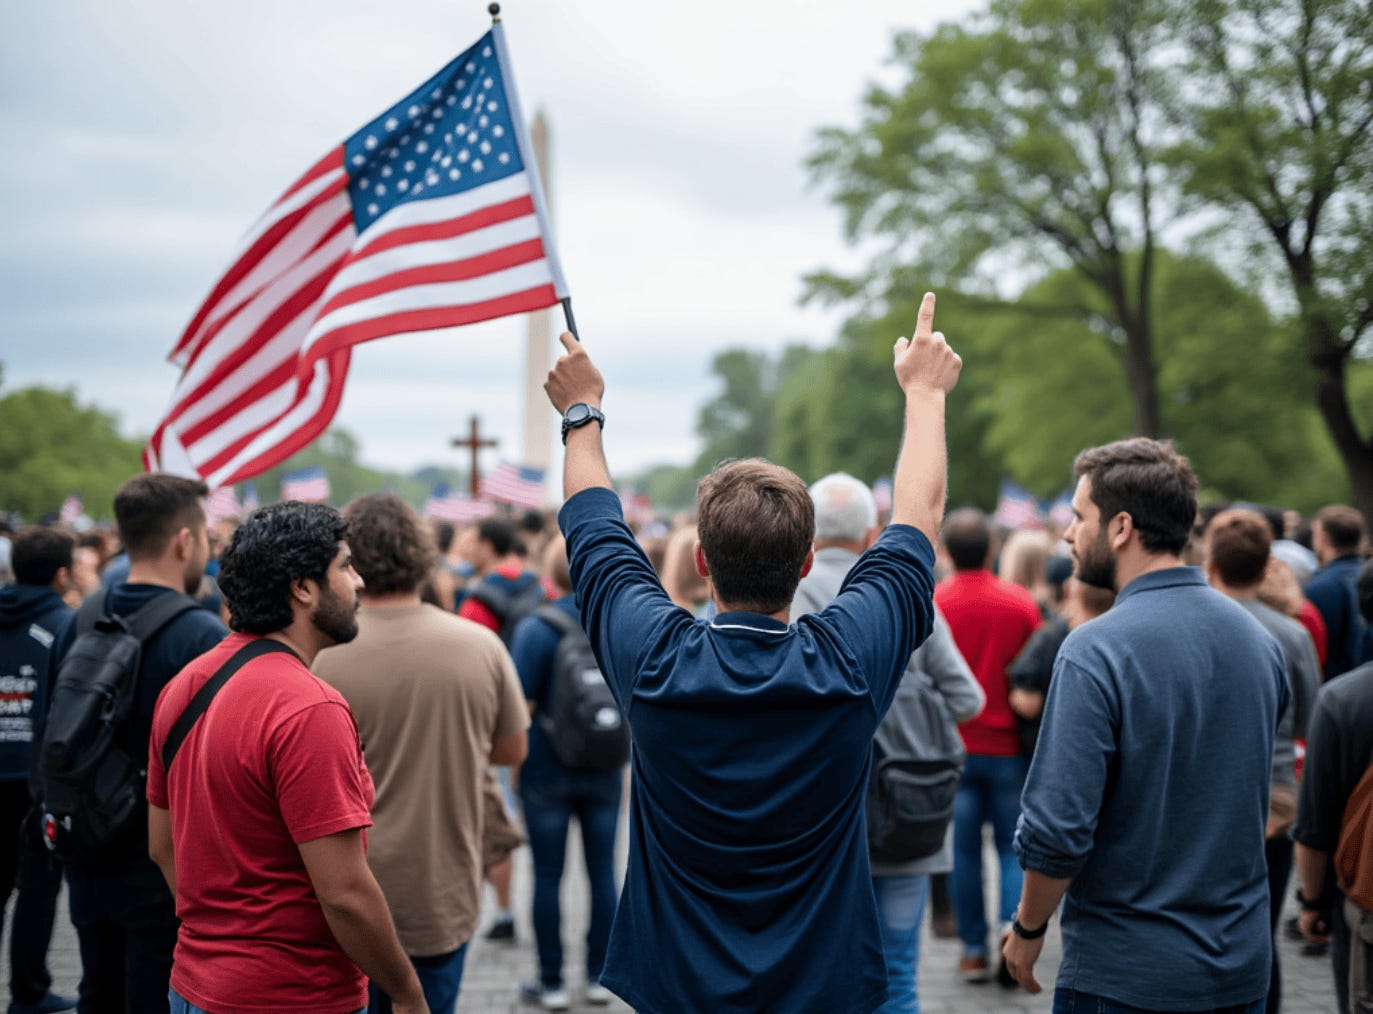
pixel 317 770
pixel 1312 620
pixel 477 612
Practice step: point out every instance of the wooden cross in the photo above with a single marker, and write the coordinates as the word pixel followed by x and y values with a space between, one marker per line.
pixel 474 443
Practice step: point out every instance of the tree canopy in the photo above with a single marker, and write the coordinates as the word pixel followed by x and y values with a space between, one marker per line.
pixel 1037 136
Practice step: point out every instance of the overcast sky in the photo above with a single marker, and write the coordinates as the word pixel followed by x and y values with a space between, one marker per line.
pixel 143 139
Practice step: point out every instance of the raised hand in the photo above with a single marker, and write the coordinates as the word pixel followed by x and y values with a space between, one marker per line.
pixel 574 377
pixel 925 362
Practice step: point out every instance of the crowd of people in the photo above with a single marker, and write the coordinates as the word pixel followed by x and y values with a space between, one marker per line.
pixel 330 731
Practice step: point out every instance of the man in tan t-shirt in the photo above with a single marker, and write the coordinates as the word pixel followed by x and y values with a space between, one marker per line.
pixel 437 701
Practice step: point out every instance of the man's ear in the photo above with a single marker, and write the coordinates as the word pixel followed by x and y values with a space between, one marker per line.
pixel 808 563
pixel 183 542
pixel 699 555
pixel 1122 526
pixel 304 591
pixel 62 580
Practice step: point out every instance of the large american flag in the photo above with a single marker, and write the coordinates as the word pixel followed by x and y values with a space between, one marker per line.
pixel 430 216
pixel 514 484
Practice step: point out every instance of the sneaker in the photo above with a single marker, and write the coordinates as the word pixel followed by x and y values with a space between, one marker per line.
pixel 547 997
pixel 50 1004
pixel 503 929
pixel 598 995
pixel 1004 978
pixel 975 969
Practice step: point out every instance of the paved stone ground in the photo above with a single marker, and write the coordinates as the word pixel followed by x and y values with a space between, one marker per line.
pixel 493 970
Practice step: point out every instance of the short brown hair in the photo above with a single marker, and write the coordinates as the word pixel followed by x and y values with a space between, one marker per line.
pixel 1343 527
pixel 393 550
pixel 1149 480
pixel 151 509
pixel 1238 542
pixel 756 523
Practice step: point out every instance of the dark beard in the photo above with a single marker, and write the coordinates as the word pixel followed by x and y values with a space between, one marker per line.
pixel 1096 565
pixel 335 617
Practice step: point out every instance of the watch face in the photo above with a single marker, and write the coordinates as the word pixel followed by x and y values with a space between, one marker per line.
pixel 578 413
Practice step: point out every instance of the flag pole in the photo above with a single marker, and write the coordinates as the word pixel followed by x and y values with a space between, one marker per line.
pixel 494 9
pixel 567 316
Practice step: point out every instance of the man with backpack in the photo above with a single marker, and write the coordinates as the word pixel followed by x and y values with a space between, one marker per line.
pixel 577 751
pixel 1334 828
pixel 437 701
pixel 32 618
pixel 129 641
pixel 917 754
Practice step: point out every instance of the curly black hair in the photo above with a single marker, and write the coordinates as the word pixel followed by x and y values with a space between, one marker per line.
pixel 274 546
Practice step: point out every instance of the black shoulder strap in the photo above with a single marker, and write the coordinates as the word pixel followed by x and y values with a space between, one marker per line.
pixel 556 618
pixel 201 701
pixel 91 610
pixel 152 616
pixel 495 599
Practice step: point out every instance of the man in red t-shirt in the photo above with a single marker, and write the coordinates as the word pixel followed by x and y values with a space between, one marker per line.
pixel 257 820
pixel 991 620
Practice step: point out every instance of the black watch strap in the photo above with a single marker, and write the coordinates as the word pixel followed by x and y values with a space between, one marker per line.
pixel 1028 934
pixel 1310 904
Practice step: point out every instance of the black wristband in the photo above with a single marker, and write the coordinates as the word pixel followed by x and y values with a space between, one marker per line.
pixel 1028 934
pixel 1311 904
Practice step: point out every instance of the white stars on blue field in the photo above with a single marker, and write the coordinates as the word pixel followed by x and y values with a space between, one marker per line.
pixel 452 133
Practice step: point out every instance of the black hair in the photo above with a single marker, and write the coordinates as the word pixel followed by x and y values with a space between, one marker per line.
pixel 151 509
pixel 499 533
pixel 967 535
pixel 37 554
pixel 272 548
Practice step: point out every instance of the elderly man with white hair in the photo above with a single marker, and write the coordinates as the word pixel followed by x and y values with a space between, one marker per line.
pixel 845 525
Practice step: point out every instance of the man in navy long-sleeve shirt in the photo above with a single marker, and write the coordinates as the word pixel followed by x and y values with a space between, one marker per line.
pixel 748 886
pixel 1148 795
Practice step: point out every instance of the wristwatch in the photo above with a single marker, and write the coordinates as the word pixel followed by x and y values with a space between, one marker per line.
pixel 579 414
pixel 1028 934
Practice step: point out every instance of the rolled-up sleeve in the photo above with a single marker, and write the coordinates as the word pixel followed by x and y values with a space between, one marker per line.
pixel 1068 776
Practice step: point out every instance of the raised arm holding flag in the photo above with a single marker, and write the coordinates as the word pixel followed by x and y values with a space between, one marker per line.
pixel 430 216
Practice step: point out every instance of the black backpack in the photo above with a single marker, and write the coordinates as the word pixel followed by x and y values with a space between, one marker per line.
pixel 509 607
pixel 91 780
pixel 582 720
pixel 917 760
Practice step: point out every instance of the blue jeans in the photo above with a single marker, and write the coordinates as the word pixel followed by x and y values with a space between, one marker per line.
pixel 550 801
pixel 1070 1001
pixel 440 977
pixel 180 1005
pixel 900 911
pixel 989 791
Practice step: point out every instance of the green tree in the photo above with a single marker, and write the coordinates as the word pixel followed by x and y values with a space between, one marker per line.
pixel 1226 394
pixel 1280 112
pixel 737 422
pixel 1026 137
pixel 842 410
pixel 52 446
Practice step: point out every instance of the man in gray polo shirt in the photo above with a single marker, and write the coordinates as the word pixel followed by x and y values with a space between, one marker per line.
pixel 1147 799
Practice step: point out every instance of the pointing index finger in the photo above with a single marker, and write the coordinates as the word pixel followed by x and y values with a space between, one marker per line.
pixel 924 321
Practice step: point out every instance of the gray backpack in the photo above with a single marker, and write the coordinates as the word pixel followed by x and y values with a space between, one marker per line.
pixel 917 760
